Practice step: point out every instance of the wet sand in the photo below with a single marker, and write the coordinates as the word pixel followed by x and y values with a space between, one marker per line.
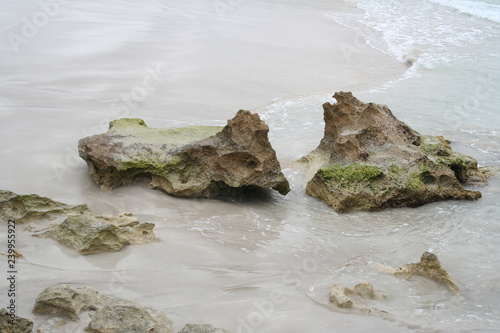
pixel 228 263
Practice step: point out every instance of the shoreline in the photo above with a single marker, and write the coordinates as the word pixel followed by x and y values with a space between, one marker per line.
pixel 219 260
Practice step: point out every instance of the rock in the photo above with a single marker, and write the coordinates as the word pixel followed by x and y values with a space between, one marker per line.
pixel 90 233
pixel 28 208
pixel 338 297
pixel 365 290
pixel 109 314
pixel 128 318
pixel 82 229
pixel 491 171
pixel 66 301
pixel 190 328
pixel 19 325
pixel 199 161
pixel 369 160
pixel 429 267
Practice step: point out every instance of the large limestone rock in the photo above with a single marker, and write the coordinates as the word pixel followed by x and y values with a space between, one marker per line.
pixel 200 161
pixel 369 160
pixel 90 233
pixel 32 207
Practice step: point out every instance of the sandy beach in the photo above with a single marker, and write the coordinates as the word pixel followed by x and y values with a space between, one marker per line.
pixel 241 264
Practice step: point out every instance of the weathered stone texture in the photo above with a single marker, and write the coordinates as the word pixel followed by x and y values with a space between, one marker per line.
pixel 199 161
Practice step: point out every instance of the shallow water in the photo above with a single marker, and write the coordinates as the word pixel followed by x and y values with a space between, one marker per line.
pixel 262 263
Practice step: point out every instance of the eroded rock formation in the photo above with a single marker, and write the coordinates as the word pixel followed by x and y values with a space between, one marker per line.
pixel 64 300
pixel 32 207
pixel 81 229
pixel 90 233
pixel 340 296
pixel 365 290
pixel 429 267
pixel 369 160
pixel 199 161
pixel 108 313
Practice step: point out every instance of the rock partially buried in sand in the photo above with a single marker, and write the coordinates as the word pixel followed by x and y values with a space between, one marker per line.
pixel 89 233
pixel 365 290
pixel 338 297
pixel 128 318
pixel 67 301
pixel 190 328
pixel 200 161
pixel 109 314
pixel 32 207
pixel 19 325
pixel 429 267
pixel 369 160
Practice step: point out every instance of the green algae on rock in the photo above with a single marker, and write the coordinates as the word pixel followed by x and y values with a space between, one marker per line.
pixel 90 233
pixel 369 160
pixel 32 207
pixel 80 228
pixel 196 161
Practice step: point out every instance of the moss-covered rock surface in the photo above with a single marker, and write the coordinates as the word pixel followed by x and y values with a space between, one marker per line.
pixel 32 207
pixel 369 160
pixel 76 227
pixel 90 233
pixel 196 161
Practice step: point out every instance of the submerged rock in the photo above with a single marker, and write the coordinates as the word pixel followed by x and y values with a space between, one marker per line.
pixel 90 233
pixel 338 297
pixel 365 290
pixel 190 328
pixel 369 160
pixel 32 207
pixel 19 325
pixel 128 318
pixel 199 161
pixel 429 267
